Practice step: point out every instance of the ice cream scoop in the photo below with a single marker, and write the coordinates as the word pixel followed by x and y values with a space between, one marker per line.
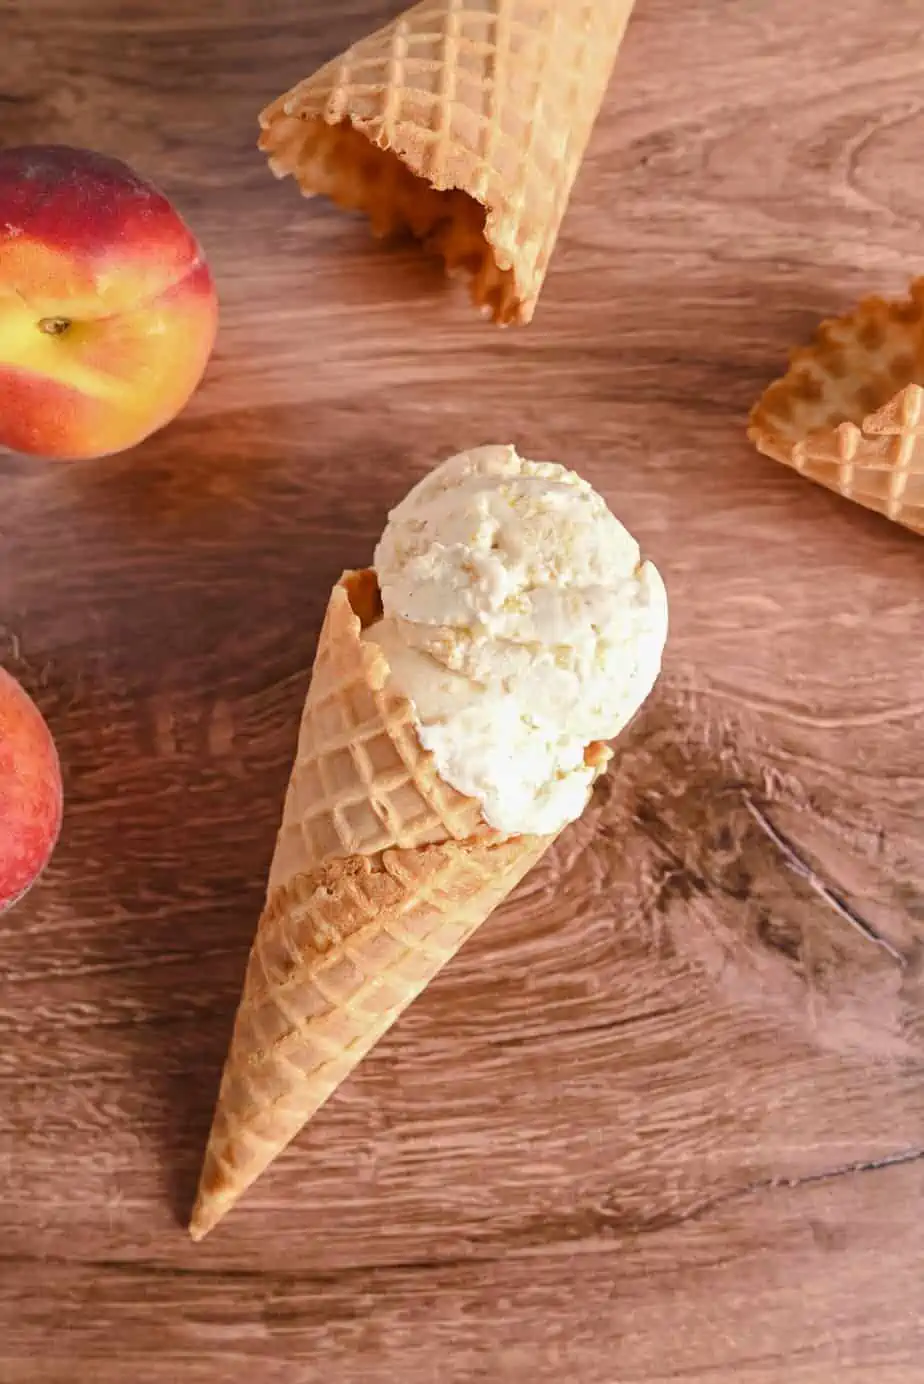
pixel 522 624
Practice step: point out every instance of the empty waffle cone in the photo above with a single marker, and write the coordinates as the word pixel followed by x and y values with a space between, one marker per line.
pixel 849 413
pixel 381 872
pixel 463 121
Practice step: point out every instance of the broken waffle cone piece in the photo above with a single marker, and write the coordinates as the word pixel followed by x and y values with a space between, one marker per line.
pixel 463 121
pixel 849 412
pixel 381 872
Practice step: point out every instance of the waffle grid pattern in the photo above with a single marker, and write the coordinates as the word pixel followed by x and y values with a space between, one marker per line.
pixel 361 782
pixel 337 958
pixel 849 413
pixel 497 99
pixel 881 463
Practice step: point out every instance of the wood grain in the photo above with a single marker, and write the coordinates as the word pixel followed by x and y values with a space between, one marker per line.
pixel 663 1119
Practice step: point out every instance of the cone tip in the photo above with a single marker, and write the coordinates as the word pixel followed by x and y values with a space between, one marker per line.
pixel 205 1216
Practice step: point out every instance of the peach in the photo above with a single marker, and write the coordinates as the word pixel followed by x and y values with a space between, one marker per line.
pixel 30 792
pixel 108 310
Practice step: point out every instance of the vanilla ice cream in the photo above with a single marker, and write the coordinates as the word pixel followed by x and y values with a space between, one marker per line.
pixel 522 624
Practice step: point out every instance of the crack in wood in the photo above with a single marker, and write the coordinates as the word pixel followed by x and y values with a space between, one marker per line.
pixel 835 901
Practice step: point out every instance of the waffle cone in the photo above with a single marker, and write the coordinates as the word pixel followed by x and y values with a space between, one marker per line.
pixel 849 412
pixel 381 871
pixel 463 121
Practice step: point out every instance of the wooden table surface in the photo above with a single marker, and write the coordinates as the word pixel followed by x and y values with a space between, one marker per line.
pixel 664 1118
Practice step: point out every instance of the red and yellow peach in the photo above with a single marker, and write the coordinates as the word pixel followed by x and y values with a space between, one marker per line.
pixel 108 311
pixel 30 792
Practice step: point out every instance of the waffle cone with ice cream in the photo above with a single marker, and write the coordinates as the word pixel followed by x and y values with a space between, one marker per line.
pixel 849 412
pixel 463 121
pixel 381 872
pixel 382 867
